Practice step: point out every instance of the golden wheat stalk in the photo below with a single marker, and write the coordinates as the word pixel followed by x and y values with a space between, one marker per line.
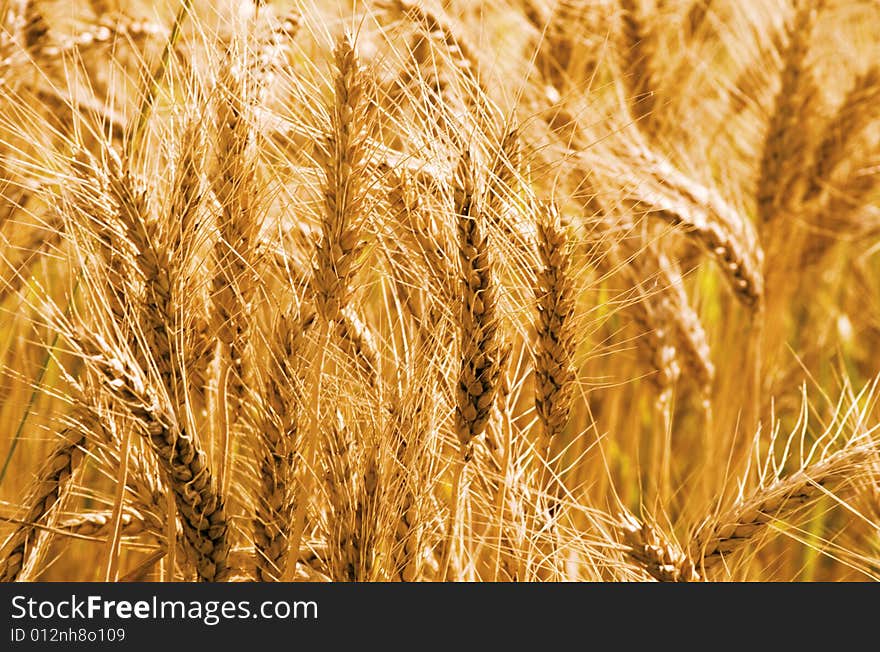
pixel 179 454
pixel 97 525
pixel 45 493
pixel 853 115
pixel 786 142
pixel 278 426
pixel 352 483
pixel 719 229
pixel 695 18
pixel 359 344
pixel 729 531
pixel 343 160
pixel 635 51
pixel 463 56
pixel 478 375
pixel 406 546
pixel 554 354
pixel 234 185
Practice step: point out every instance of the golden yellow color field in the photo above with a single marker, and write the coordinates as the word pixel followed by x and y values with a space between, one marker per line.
pixel 389 290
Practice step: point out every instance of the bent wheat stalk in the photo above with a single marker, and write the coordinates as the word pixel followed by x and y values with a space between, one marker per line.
pixel 724 534
pixel 178 452
pixel 45 493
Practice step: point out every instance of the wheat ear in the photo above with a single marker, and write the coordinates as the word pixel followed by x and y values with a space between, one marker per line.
pixel 696 17
pixel 479 350
pixel 234 185
pixel 46 492
pixel 785 144
pixel 352 483
pixel 463 55
pixel 342 158
pixel 852 116
pixel 478 374
pixel 99 524
pixel 357 340
pixel 278 438
pixel 635 52
pixel 409 425
pixel 101 34
pixel 702 213
pixel 155 265
pixel 179 454
pixel 554 355
pixel 36 30
pixel 184 234
pixel 842 211
pixel 659 557
pixel 727 532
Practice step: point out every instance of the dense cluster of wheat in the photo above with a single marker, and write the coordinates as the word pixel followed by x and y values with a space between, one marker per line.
pixel 411 291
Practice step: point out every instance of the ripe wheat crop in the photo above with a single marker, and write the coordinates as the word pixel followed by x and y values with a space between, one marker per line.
pixel 529 290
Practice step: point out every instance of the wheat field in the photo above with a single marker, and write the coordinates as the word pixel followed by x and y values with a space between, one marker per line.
pixel 389 290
